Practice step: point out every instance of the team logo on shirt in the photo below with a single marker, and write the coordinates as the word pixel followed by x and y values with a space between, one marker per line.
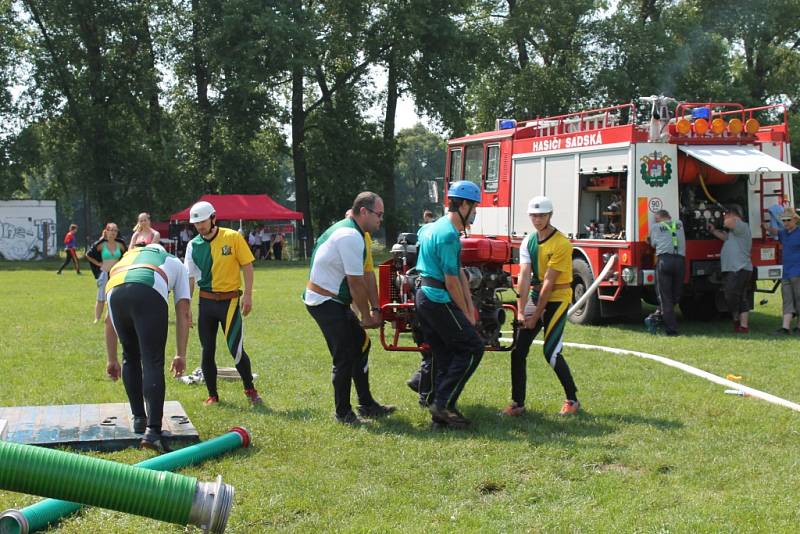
pixel 226 250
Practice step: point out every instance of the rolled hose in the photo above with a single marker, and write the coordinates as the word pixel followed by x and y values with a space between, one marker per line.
pixel 39 516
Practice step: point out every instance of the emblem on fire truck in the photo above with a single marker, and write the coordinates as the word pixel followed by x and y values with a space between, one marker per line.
pixel 656 169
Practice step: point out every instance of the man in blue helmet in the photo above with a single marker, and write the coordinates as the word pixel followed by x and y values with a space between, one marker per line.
pixel 444 304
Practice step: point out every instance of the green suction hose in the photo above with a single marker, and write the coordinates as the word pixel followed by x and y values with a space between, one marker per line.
pixel 138 490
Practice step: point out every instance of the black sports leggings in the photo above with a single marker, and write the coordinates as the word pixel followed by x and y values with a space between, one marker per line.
pixel 139 315
pixel 71 257
pixel 211 315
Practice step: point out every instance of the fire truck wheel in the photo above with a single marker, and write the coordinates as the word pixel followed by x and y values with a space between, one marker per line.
pixel 582 278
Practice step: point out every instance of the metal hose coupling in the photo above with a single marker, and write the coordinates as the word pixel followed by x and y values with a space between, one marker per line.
pixel 211 505
pixel 13 522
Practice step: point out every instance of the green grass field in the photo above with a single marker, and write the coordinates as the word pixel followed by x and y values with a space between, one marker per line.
pixel 656 450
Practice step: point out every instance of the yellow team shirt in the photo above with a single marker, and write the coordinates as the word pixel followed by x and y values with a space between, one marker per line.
pixel 368 267
pixel 216 264
pixel 555 253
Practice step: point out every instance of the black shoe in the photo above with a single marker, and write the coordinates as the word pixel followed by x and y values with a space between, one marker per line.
pixel 459 415
pixel 413 382
pixel 672 332
pixel 376 410
pixel 783 331
pixel 58 272
pixel 446 417
pixel 426 401
pixel 154 441
pixel 350 419
pixel 139 425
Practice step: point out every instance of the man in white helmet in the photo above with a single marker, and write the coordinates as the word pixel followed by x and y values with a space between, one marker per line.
pixel 214 259
pixel 545 275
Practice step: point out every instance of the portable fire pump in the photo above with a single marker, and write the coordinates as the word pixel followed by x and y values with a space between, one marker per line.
pixel 484 261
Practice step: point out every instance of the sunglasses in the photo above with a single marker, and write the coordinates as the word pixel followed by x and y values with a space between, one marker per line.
pixel 378 213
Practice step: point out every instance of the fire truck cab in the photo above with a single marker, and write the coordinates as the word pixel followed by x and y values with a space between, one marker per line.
pixel 609 170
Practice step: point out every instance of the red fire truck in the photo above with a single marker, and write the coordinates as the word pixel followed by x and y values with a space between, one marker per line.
pixel 609 170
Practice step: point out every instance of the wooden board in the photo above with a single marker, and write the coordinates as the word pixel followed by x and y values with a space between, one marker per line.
pixel 96 427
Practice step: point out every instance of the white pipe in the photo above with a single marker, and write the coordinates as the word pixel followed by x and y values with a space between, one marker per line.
pixel 742 390
pixel 594 285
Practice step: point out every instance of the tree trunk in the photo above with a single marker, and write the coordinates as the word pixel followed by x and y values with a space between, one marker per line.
pixel 522 51
pixel 150 88
pixel 390 152
pixel 96 136
pixel 201 80
pixel 299 156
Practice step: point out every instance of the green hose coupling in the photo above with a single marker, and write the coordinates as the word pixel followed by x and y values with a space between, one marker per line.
pixel 80 479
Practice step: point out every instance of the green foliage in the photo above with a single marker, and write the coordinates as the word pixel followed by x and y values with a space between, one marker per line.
pixel 138 106
pixel 421 158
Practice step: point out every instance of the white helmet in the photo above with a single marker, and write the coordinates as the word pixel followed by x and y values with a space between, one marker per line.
pixel 540 205
pixel 201 211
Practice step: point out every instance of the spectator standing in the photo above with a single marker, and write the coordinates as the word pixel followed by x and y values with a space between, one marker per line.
pixel 70 244
pixel 142 233
pixel 103 255
pixel 427 217
pixel 789 238
pixel 277 245
pixel 736 265
pixel 266 242
pixel 184 237
pixel 257 242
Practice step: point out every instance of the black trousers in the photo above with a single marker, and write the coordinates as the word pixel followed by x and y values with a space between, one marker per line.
pixel 277 251
pixel 422 377
pixel 211 315
pixel 349 346
pixel 456 346
pixel 139 315
pixel 71 257
pixel 670 270
pixel 553 321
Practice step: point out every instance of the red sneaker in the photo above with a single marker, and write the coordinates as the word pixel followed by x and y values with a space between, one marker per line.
pixel 742 330
pixel 570 407
pixel 213 399
pixel 255 399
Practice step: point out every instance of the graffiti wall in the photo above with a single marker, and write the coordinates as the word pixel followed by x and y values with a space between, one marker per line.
pixel 28 229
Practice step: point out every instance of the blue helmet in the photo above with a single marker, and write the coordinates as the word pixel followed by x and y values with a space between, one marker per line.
pixel 466 190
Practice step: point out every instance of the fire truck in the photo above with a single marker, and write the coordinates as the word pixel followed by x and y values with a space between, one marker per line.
pixel 609 170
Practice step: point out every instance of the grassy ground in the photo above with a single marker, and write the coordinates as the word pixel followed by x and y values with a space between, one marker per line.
pixel 656 450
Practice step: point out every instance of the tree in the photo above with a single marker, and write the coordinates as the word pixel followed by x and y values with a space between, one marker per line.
pixel 421 160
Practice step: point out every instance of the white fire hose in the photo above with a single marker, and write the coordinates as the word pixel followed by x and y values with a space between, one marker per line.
pixel 741 389
pixel 589 290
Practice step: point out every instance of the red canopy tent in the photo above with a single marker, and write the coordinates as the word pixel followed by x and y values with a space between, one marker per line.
pixel 243 207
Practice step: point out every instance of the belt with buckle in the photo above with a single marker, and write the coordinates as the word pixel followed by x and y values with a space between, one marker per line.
pixel 221 295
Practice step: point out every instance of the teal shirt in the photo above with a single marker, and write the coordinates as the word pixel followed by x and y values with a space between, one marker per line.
pixel 438 254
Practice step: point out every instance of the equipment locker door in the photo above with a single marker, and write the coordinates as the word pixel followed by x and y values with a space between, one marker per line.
pixel 526 180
